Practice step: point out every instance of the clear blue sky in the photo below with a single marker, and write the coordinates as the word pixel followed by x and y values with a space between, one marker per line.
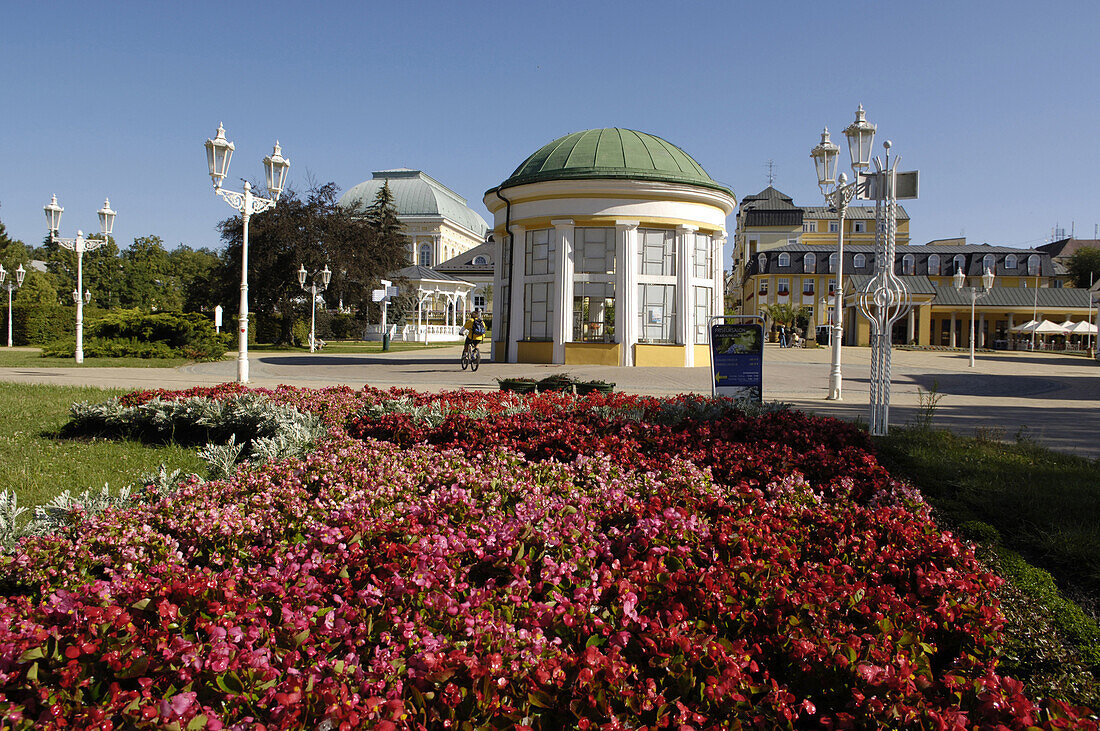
pixel 996 103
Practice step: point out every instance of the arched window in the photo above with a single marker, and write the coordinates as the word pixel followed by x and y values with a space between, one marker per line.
pixel 908 264
pixel 761 262
pixel 832 262
pixel 933 264
pixel 959 263
pixel 989 262
pixel 1033 265
pixel 859 261
pixel 480 261
pixel 809 263
pixel 784 259
pixel 425 255
pixel 1010 261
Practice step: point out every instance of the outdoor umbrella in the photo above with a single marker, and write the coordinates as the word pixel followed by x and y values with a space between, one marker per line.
pixel 1026 327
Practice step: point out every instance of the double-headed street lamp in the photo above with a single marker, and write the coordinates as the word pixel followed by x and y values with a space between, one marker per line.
pixel 79 245
pixel 19 274
pixel 987 285
pixel 838 193
pixel 218 153
pixel 313 290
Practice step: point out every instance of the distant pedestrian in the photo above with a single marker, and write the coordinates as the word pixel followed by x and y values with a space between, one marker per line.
pixel 782 336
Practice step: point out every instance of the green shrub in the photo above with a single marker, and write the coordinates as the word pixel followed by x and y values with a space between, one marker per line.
pixel 100 348
pixel 344 326
pixel 130 333
pixel 980 532
pixel 37 324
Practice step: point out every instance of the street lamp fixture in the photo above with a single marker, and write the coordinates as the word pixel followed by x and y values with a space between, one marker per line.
pixel 219 151
pixel 20 272
pixel 838 193
pixel 79 245
pixel 987 286
pixel 325 275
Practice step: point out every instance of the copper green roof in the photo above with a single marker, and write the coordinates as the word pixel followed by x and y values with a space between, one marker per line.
pixel 611 153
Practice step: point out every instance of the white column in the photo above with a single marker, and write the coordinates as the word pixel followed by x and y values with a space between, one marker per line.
pixel 685 312
pixel 561 328
pixel 718 301
pixel 519 266
pixel 626 289
pixel 953 328
pixel 911 330
pixel 499 306
pixel 981 330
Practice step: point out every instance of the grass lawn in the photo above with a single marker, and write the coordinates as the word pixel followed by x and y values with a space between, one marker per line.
pixel 31 358
pixel 37 465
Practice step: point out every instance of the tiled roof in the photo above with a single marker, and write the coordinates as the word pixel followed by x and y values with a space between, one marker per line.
pixel 417 273
pixel 1046 297
pixel 916 284
pixel 854 213
pixel 464 261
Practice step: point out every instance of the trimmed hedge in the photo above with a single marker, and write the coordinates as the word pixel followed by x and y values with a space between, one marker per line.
pixel 38 324
pixel 142 335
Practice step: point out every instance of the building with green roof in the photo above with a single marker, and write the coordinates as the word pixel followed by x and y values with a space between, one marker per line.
pixel 438 222
pixel 610 252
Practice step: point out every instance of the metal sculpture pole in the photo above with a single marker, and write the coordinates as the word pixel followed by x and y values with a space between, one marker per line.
pixel 886 299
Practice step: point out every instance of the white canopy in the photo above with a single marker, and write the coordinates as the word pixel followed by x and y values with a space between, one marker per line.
pixel 1046 327
pixel 1080 328
pixel 1026 327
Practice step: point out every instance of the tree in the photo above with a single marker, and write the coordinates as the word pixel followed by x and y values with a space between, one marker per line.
pixel 194 270
pixel 784 313
pixel 147 280
pixel 37 289
pixel 313 232
pixel 100 268
pixel 1084 266
pixel 12 252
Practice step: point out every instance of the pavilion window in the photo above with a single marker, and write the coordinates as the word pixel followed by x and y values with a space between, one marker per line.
pixel 934 264
pixel 594 250
pixel 783 287
pixel 704 266
pixel 539 250
pixel 702 313
pixel 538 310
pixel 656 252
pixel 658 314
pixel 859 261
pixel 425 255
pixel 1010 261
pixel 593 312
pixel 809 263
pixel 784 260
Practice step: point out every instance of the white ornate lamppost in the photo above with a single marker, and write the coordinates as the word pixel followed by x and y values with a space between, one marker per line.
pixel 987 285
pixel 10 285
pixel 838 194
pixel 219 151
pixel 79 245
pixel 325 275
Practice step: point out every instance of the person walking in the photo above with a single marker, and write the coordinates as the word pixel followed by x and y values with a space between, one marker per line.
pixel 782 336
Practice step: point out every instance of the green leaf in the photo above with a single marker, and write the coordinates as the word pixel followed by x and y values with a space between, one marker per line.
pixel 540 699
pixel 595 641
pixel 301 637
pixel 32 654
pixel 32 674
pixel 196 723
pixel 343 573
pixel 140 604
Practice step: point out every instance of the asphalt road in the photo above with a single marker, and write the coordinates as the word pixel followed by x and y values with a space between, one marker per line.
pixel 1054 399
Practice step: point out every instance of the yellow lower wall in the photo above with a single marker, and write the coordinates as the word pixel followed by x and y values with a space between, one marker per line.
pixel 535 351
pixel 592 354
pixel 659 355
pixel 924 325
pixel 500 352
pixel 702 355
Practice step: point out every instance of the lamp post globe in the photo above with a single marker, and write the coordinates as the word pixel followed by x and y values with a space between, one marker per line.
pixel 825 155
pixel 20 272
pixel 861 139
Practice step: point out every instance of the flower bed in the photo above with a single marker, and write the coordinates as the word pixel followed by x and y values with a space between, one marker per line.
pixel 470 560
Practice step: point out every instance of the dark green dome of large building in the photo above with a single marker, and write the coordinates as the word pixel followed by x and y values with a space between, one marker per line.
pixel 611 153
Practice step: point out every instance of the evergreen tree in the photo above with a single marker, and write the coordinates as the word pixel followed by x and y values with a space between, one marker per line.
pixel 383 220
pixel 12 252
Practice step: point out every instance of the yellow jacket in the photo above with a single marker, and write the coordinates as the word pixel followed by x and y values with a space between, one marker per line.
pixel 469 328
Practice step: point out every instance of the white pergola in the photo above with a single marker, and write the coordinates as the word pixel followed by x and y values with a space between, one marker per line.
pixel 430 287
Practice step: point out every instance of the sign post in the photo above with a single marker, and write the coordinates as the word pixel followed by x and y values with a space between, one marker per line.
pixel 737 357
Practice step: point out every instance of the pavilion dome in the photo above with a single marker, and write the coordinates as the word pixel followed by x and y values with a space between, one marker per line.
pixel 416 194
pixel 611 153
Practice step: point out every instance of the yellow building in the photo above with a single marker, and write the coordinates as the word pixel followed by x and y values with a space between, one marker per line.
pixel 611 253
pixel 1026 285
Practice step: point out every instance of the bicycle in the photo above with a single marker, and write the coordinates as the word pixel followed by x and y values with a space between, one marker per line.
pixel 471 357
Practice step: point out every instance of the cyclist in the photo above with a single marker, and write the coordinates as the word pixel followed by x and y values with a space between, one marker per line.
pixel 475 331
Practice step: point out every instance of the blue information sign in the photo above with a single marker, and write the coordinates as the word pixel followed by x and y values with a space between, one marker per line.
pixel 737 360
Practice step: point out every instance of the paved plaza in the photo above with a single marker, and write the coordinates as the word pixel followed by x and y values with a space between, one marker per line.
pixel 1052 398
